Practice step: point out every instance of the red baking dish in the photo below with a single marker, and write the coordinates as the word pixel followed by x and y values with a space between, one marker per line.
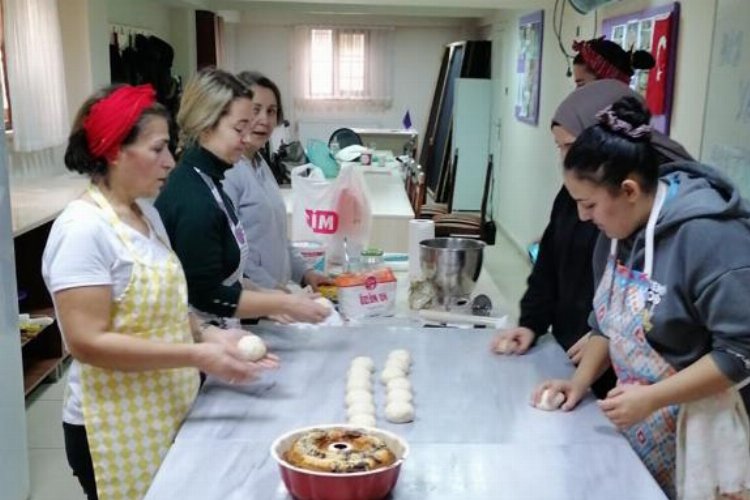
pixel 314 485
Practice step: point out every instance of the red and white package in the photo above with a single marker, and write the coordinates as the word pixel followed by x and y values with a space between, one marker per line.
pixel 365 294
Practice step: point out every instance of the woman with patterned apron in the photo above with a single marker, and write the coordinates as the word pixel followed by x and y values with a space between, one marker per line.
pixel 215 121
pixel 121 299
pixel 675 332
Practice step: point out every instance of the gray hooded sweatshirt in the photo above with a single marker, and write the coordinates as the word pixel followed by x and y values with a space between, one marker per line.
pixel 702 258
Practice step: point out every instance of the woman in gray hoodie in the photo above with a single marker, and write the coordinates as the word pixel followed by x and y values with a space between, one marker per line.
pixel 670 312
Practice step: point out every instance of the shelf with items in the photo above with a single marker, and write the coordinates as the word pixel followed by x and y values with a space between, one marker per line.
pixel 43 356
pixel 34 323
pixel 44 353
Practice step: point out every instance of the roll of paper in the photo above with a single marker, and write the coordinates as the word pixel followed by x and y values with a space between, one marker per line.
pixel 419 230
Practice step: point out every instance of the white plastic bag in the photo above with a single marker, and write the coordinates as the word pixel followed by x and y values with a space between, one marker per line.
pixel 330 210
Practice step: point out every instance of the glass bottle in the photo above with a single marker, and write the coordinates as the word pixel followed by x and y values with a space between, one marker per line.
pixel 371 258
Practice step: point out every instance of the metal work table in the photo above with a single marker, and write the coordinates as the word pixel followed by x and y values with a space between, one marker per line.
pixel 474 437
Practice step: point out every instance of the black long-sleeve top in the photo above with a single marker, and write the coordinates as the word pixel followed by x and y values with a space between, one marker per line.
pixel 561 285
pixel 199 231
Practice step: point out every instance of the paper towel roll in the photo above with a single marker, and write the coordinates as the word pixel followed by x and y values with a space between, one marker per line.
pixel 419 229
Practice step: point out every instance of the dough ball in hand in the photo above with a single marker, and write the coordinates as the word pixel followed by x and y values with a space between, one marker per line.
pixel 506 345
pixel 399 412
pixel 252 347
pixel 550 401
pixel 362 420
pixel 324 302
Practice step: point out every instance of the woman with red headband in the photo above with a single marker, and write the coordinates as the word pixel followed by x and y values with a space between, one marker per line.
pixel 600 59
pixel 121 299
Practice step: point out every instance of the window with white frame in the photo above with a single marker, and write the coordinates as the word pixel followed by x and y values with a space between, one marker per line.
pixel 339 66
pixel 338 63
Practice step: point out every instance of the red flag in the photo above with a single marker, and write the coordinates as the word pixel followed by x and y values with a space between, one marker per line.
pixel 656 91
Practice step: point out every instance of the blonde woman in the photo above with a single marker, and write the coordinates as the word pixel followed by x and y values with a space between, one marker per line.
pixel 214 120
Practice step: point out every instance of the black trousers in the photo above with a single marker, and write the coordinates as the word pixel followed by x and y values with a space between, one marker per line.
pixel 79 458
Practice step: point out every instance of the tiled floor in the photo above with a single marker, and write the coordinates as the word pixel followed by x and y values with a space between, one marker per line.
pixel 51 478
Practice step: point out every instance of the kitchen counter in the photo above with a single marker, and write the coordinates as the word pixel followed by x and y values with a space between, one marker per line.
pixel 36 203
pixel 474 436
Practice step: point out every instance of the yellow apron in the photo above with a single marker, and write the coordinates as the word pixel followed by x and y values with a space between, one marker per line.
pixel 131 418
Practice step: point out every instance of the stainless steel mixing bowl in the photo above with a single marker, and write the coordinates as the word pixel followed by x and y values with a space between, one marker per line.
pixel 452 266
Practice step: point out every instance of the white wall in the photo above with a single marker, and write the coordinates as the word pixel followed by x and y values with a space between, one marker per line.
pixel 418 50
pixel 527 167
pixel 143 14
pixel 182 36
pixel 74 22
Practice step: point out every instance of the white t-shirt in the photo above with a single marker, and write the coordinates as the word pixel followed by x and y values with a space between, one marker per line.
pixel 84 250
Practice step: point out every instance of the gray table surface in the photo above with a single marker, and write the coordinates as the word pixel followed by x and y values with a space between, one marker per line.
pixel 474 436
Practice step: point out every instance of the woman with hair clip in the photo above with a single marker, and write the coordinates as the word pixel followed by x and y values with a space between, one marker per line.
pixel 599 59
pixel 121 301
pixel 251 186
pixel 215 120
pixel 561 284
pixel 670 311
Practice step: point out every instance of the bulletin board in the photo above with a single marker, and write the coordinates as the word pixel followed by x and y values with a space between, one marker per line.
pixel 726 124
pixel 529 67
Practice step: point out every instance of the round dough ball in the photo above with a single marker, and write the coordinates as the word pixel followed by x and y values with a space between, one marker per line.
pixel 364 362
pixel 324 302
pixel 360 408
pixel 362 420
pixel 359 383
pixel 252 347
pixel 358 396
pixel 399 395
pixel 506 345
pixel 550 400
pixel 396 365
pixel 398 383
pixel 400 353
pixel 390 373
pixel 399 412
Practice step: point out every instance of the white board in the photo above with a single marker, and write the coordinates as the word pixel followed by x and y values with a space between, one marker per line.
pixel 726 126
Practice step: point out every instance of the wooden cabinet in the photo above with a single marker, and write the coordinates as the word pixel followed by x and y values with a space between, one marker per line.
pixel 43 353
pixel 34 207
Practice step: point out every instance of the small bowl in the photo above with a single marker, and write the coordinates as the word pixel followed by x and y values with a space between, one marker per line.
pixel 315 485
